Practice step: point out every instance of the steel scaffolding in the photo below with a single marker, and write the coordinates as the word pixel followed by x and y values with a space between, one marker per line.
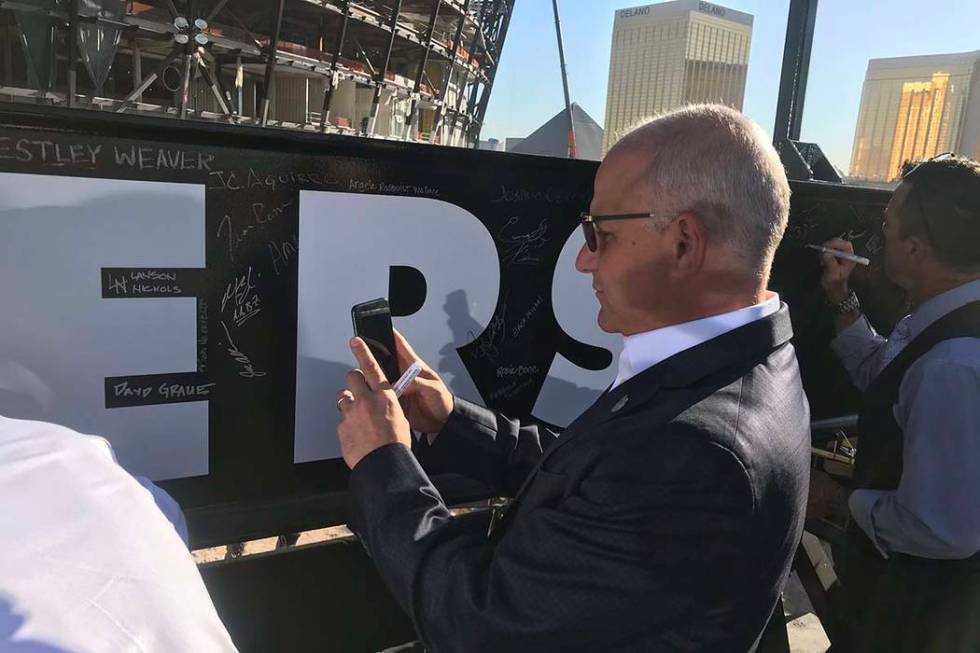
pixel 416 70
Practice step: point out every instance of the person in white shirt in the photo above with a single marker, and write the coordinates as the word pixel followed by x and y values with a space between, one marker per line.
pixel 91 559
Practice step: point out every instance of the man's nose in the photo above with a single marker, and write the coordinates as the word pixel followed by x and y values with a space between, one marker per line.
pixel 585 261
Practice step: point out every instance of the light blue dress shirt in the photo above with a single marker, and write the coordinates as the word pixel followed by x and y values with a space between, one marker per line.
pixel 935 512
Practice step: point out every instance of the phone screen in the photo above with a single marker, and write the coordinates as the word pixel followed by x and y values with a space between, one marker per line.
pixel 372 323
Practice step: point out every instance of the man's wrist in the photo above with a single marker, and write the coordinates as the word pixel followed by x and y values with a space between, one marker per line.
pixel 452 407
pixel 837 294
pixel 843 306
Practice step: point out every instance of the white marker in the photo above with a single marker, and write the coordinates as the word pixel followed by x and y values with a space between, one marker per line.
pixel 839 254
pixel 405 380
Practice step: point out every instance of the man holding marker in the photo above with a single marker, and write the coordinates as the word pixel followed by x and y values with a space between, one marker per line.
pixel 666 516
pixel 836 253
pixel 910 566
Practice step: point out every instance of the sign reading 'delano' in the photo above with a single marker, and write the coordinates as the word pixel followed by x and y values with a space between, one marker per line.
pixel 708 8
pixel 703 7
pixel 635 11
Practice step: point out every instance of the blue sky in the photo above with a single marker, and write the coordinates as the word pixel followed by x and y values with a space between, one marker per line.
pixel 527 91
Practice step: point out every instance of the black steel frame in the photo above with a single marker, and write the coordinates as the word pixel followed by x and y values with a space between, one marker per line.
pixel 332 84
pixel 441 111
pixel 802 161
pixel 410 121
pixel 194 61
pixel 800 26
pixel 498 38
pixel 461 88
pixel 383 71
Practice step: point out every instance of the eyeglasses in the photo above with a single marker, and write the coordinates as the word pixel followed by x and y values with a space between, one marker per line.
pixel 589 222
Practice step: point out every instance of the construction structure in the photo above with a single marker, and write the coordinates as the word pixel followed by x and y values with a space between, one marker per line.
pixel 671 54
pixel 914 108
pixel 415 70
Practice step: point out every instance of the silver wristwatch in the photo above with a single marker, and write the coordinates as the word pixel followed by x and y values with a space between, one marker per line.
pixel 849 305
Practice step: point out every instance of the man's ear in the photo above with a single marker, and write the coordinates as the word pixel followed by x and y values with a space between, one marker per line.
pixel 690 243
pixel 917 248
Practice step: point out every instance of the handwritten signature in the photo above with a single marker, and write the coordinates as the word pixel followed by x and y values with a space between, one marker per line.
pixel 518 248
pixel 202 335
pixel 521 323
pixel 488 346
pixel 247 303
pixel 248 368
pixel 282 252
pixel 261 217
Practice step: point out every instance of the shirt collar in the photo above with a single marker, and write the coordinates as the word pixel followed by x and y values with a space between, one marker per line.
pixel 642 351
pixel 942 304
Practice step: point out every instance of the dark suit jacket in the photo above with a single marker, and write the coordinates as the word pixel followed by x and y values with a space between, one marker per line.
pixel 664 518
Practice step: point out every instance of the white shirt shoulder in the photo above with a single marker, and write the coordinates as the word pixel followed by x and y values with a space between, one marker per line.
pixel 88 562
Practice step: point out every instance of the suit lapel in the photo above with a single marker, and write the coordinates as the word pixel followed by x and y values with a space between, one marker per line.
pixel 598 412
pixel 745 344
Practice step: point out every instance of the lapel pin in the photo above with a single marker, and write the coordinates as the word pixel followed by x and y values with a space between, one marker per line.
pixel 619 404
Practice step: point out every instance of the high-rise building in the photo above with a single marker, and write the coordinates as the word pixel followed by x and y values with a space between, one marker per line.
pixel 674 53
pixel 914 108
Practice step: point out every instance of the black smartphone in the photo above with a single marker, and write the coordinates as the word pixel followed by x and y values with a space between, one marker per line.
pixel 372 323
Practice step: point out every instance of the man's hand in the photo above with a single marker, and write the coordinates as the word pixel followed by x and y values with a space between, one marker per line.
pixel 836 270
pixel 427 402
pixel 370 414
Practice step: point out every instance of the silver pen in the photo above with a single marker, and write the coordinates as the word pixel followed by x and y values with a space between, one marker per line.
pixel 405 380
pixel 839 254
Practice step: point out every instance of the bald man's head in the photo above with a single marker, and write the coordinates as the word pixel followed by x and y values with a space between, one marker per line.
pixel 714 162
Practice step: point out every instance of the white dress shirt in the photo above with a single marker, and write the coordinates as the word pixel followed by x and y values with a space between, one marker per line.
pixel 642 351
pixel 88 561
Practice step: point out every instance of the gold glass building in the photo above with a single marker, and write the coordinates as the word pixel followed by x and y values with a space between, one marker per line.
pixel 674 53
pixel 914 108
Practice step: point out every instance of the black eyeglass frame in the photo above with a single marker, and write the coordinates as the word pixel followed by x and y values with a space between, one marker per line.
pixel 589 222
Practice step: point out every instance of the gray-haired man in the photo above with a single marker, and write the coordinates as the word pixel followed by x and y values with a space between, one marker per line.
pixel 665 517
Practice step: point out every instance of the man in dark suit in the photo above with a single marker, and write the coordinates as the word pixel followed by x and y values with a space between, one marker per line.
pixel 666 516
